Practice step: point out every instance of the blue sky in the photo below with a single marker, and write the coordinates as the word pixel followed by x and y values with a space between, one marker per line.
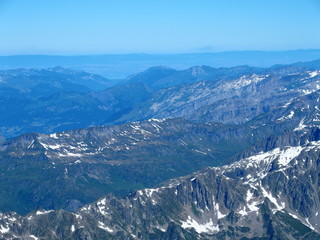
pixel 150 26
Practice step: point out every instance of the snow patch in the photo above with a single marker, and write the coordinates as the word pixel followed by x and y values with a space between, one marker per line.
pixel 286 117
pixel 54 135
pixel 34 237
pixel 54 147
pixel 102 206
pixel 208 227
pixel 288 154
pixel 273 200
pixel 104 227
pixel 219 214
pixel 3 229
pixel 245 81
pixel 156 120
pixel 204 153
pixel 43 212
pixel 314 73
pixel 301 126
pixel 150 191
pixel 69 154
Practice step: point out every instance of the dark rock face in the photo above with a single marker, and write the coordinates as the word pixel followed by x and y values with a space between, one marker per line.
pixel 271 195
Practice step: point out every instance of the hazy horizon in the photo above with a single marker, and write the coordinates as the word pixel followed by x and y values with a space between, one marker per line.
pixel 159 54
pixel 119 66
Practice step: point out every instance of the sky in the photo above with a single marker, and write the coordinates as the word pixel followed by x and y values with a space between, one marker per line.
pixel 73 27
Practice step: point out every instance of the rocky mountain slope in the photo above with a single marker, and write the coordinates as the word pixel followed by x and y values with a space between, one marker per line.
pixel 69 169
pixel 270 195
pixel 233 101
pixel 72 168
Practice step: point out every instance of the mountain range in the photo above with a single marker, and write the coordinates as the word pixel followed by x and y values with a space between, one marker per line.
pixel 199 94
pixel 270 195
pixel 201 153
pixel 119 66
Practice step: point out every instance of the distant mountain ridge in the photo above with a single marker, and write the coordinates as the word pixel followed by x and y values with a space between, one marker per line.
pixel 63 79
pixel 119 66
pixel 199 94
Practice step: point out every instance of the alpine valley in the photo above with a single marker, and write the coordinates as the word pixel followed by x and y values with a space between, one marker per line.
pixel 201 153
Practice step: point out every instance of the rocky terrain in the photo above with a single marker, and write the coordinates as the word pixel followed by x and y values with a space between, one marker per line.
pixel 254 132
pixel 69 169
pixel 271 195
